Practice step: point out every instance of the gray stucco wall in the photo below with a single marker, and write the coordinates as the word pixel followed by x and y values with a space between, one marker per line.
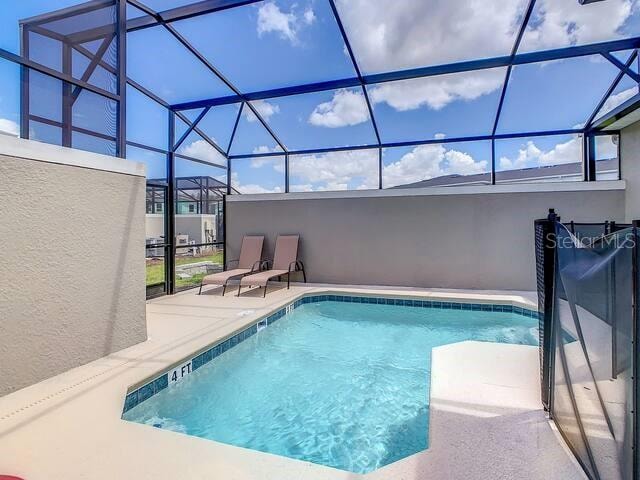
pixel 478 241
pixel 630 156
pixel 72 269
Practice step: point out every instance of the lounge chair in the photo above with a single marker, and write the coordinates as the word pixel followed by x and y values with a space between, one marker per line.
pixel 249 261
pixel 285 262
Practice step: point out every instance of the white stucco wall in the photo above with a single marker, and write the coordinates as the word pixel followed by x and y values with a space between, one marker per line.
pixel 72 268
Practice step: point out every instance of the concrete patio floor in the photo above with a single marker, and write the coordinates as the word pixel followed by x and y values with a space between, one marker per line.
pixel 486 418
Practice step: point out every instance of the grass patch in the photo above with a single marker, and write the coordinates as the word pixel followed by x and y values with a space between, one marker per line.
pixel 155 269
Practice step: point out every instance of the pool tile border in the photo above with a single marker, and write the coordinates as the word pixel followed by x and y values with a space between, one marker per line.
pixel 162 381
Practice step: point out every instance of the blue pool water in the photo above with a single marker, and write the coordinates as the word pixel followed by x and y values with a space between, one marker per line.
pixel 339 384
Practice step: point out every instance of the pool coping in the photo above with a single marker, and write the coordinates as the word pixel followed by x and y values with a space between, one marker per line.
pixel 141 391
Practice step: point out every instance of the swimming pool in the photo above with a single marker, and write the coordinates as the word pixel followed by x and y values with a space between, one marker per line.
pixel 337 381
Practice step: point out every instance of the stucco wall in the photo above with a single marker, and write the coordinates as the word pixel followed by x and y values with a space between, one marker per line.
pixel 481 241
pixel 630 156
pixel 72 269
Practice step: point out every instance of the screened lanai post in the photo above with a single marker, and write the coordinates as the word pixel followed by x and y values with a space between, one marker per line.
pixel 286 173
pixel 493 161
pixel 67 107
pixel 591 156
pixel 635 395
pixel 121 35
pixel 24 83
pixel 170 217
pixel 380 168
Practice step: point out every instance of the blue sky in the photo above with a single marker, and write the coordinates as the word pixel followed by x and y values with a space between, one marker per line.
pixel 281 42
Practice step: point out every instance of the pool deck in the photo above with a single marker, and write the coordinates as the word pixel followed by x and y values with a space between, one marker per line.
pixel 486 418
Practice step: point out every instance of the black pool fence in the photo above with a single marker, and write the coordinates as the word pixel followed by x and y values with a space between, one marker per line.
pixel 588 285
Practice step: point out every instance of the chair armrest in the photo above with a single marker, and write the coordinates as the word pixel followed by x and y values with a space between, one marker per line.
pixel 297 265
pixel 256 266
pixel 265 264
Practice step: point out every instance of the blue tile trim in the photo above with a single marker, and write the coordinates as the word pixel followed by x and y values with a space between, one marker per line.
pixel 161 382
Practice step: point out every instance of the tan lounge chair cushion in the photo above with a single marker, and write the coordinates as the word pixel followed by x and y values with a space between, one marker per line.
pixel 222 277
pixel 261 278
pixel 250 251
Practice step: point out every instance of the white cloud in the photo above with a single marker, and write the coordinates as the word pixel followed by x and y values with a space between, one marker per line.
pixel 265 149
pixel 439 136
pixel 346 108
pixel 530 155
pixel 264 109
pixel 439 91
pixel 9 127
pixel 276 163
pixel 201 150
pixel 359 168
pixel 251 188
pixel 431 161
pixel 335 170
pixel 618 99
pixel 272 19
pixel 309 16
pixel 419 33
pixel 563 23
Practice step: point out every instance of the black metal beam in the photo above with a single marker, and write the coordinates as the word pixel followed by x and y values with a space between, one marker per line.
pixel 67 105
pixel 609 91
pixel 354 62
pixel 12 57
pixel 180 115
pixel 121 35
pixel 514 52
pixel 170 217
pixel 93 64
pixel 25 84
pixel 67 12
pixel 624 68
pixel 414 143
pixel 235 127
pixel 505 61
pixel 185 43
pixel 617 113
pixel 191 128
pixel 73 128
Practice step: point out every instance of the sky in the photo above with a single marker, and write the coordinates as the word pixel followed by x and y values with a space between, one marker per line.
pixel 276 43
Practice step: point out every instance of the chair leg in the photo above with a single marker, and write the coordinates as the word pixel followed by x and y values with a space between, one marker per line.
pixel 265 289
pixel 224 289
pixel 288 281
pixel 304 275
pixel 239 287
pixel 200 291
